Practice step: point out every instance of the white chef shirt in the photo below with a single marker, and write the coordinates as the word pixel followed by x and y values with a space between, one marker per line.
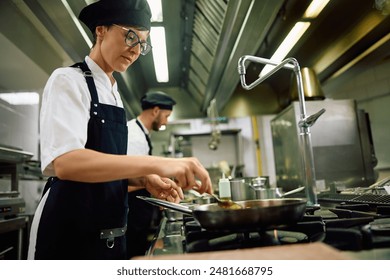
pixel 65 110
pixel 136 140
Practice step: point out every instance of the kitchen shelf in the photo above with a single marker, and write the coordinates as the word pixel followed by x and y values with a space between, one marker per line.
pixel 205 133
pixel 10 160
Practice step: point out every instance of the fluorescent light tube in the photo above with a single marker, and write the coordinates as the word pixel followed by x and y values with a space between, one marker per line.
pixel 315 8
pixel 159 50
pixel 156 9
pixel 20 98
pixel 288 43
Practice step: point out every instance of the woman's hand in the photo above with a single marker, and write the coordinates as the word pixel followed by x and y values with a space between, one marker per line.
pixel 163 188
pixel 189 173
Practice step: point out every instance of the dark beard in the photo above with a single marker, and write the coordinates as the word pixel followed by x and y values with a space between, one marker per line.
pixel 155 125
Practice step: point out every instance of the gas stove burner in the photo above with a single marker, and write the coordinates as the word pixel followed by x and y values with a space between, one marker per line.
pixel 290 237
pixel 202 241
pixel 310 209
pixel 381 226
pixel 192 226
pixel 197 239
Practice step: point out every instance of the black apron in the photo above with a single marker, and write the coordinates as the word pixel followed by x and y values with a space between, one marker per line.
pixel 88 220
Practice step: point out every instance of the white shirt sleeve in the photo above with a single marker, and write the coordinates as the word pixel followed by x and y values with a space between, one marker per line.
pixel 64 116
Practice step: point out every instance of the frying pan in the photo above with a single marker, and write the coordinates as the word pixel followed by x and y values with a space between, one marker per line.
pixel 255 215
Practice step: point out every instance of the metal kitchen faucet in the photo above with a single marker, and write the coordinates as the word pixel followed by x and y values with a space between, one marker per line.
pixel 308 169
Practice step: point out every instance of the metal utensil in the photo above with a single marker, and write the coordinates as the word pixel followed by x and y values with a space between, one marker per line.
pixel 226 203
pixel 281 194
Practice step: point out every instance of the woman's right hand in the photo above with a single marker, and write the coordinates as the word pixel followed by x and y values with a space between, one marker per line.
pixel 187 173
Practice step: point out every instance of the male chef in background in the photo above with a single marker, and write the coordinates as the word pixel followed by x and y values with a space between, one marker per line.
pixel 142 217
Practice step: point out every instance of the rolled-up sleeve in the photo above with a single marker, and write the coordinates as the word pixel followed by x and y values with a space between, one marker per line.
pixel 64 116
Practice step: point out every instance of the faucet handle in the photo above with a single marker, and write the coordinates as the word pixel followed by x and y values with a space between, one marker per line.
pixel 310 120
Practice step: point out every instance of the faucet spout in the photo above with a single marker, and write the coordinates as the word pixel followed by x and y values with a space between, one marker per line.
pixel 305 122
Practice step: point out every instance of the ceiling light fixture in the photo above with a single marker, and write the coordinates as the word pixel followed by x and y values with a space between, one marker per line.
pixel 156 9
pixel 288 43
pixel 314 9
pixel 160 60
pixel 157 38
pixel 20 98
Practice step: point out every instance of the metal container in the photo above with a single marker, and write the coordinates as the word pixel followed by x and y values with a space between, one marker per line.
pixel 266 193
pixel 260 182
pixel 270 193
pixel 241 189
pixel 261 188
pixel 203 200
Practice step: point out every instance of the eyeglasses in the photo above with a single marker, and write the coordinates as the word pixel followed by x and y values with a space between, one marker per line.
pixel 132 39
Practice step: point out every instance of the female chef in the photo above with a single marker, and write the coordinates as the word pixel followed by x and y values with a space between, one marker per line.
pixel 83 210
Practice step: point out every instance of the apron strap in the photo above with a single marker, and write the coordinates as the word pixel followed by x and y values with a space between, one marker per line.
pixel 90 82
pixel 49 182
pixel 146 136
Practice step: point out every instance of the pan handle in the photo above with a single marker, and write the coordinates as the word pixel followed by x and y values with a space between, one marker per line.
pixel 167 204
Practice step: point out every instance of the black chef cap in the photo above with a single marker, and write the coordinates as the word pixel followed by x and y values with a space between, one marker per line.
pixel 126 12
pixel 157 98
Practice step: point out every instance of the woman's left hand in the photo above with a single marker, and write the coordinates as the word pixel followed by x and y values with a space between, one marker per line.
pixel 163 188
